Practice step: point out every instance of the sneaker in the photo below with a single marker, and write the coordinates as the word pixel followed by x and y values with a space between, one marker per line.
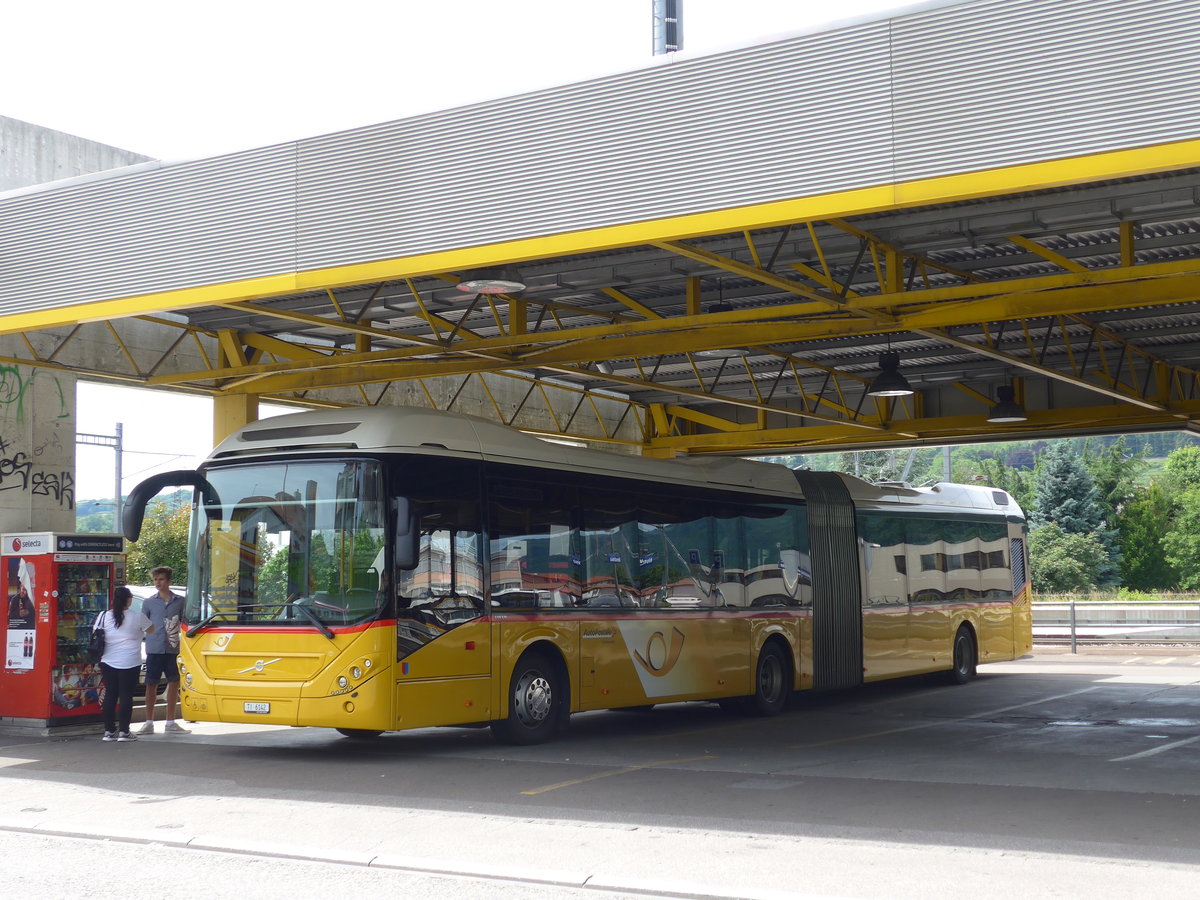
pixel 125 736
pixel 174 728
pixel 109 736
pixel 148 728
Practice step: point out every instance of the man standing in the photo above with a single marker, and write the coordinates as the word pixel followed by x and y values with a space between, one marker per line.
pixel 162 645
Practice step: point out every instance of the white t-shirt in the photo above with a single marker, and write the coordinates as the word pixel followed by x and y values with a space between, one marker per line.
pixel 123 645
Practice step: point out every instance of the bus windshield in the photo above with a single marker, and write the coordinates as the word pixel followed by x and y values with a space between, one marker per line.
pixel 289 543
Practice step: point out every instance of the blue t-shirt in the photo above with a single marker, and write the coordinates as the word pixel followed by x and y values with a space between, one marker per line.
pixel 165 618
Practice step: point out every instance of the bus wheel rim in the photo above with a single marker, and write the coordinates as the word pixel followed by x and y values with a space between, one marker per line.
pixel 533 699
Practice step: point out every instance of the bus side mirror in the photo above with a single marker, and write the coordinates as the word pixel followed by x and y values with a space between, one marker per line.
pixel 135 504
pixel 406 535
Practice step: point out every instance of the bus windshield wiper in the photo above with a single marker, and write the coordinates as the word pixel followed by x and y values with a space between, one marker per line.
pixel 194 630
pixel 312 617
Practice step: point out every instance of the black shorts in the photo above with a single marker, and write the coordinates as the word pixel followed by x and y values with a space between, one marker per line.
pixel 161 667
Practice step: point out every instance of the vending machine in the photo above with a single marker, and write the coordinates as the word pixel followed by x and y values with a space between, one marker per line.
pixel 56 585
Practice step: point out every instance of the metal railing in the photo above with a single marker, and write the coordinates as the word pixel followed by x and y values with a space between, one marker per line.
pixel 1116 623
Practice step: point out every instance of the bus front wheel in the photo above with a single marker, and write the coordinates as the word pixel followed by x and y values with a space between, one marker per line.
pixel 534 696
pixel 964 657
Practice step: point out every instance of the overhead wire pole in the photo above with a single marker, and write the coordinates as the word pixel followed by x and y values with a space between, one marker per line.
pixel 114 441
pixel 668 26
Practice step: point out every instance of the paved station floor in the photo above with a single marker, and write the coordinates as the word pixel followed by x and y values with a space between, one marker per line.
pixel 1058 775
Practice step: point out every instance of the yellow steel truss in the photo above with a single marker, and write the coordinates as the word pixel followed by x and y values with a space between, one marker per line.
pixel 1021 317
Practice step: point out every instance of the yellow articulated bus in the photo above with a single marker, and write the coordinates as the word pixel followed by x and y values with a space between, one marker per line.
pixel 384 569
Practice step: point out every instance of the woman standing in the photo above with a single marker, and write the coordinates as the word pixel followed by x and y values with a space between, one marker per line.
pixel 123 632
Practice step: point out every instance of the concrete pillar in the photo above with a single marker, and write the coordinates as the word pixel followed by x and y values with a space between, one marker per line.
pixel 231 412
pixel 37 450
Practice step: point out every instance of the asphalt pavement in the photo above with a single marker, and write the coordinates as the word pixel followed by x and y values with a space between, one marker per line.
pixel 1057 775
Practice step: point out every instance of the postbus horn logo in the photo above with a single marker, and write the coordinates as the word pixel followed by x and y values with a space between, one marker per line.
pixel 659 659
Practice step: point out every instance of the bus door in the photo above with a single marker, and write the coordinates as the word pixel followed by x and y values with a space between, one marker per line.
pixel 443 646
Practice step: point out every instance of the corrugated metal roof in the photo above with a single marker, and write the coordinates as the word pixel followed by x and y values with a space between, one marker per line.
pixel 932 92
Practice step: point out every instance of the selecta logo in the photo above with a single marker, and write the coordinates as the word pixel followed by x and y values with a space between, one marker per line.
pixel 20 543
pixel 16 545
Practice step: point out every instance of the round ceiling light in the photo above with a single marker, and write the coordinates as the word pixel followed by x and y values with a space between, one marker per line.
pixel 491 281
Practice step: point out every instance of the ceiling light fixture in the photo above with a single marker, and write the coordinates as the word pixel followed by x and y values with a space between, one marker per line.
pixel 889 382
pixel 491 281
pixel 1007 409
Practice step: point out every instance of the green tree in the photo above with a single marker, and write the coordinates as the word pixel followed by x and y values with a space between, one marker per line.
pixel 1142 528
pixel 1181 543
pixel 1115 472
pixel 272 578
pixel 95 523
pixel 872 465
pixel 1065 561
pixel 1065 495
pixel 163 542
pixel 1182 469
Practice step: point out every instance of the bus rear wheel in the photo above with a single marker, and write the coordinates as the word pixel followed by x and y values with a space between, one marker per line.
pixel 534 696
pixel 964 657
pixel 772 684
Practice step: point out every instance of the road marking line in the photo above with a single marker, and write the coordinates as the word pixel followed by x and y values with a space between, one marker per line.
pixel 1160 749
pixel 1132 661
pixel 979 715
pixel 624 771
pixel 1165 661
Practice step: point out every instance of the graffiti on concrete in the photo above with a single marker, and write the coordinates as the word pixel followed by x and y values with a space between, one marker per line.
pixel 14 472
pixel 59 485
pixel 54 480
pixel 12 388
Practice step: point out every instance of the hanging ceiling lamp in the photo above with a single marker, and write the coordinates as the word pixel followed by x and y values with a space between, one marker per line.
pixel 721 306
pixel 491 281
pixel 889 382
pixel 1007 409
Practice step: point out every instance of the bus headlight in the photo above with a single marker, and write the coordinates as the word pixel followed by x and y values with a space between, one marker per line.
pixel 182 669
pixel 343 681
pixel 366 663
pixel 187 679
pixel 356 673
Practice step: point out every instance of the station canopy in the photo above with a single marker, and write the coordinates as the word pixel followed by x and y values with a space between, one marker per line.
pixel 995 205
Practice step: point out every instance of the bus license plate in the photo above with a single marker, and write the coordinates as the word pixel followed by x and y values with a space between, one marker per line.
pixel 258 708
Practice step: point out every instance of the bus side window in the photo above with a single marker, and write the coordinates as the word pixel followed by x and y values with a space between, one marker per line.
pixel 448 567
pixel 534 565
